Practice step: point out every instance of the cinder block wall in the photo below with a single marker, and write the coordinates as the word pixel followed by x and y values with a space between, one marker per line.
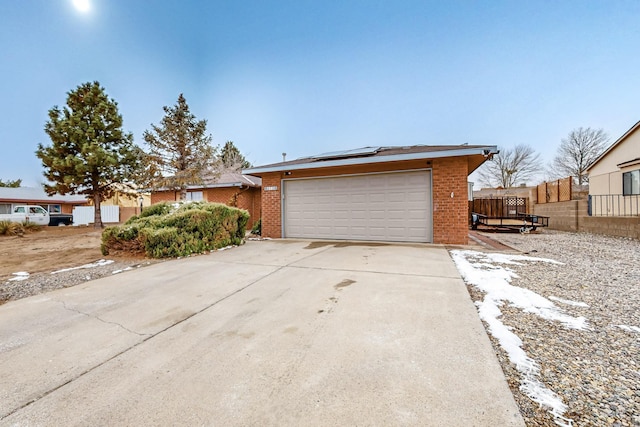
pixel 612 226
pixel 573 216
pixel 562 215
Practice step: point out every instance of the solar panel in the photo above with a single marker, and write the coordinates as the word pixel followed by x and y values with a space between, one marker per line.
pixel 365 151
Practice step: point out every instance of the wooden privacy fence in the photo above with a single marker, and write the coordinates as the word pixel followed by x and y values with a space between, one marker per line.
pixel 555 191
pixel 501 207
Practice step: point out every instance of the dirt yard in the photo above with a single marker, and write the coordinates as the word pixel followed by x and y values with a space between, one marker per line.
pixel 50 249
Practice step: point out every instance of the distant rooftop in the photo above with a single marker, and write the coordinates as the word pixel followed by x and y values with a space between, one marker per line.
pixel 34 194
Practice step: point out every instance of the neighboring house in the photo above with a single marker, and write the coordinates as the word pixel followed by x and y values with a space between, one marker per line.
pixel 614 177
pixel 9 197
pixel 230 188
pixel 403 194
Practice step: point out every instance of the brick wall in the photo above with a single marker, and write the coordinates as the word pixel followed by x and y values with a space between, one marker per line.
pixel 271 211
pixel 128 212
pixel 450 214
pixel 245 199
pixel 450 217
pixel 164 196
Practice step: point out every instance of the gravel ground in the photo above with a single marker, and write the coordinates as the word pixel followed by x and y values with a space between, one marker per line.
pixel 595 371
pixel 44 282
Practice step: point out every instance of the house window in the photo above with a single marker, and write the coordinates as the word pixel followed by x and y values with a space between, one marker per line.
pixel 52 208
pixel 5 208
pixel 195 196
pixel 631 183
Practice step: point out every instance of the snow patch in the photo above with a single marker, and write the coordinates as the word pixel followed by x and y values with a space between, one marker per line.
pixel 568 302
pixel 120 271
pixel 19 276
pixel 481 270
pixel 629 328
pixel 98 263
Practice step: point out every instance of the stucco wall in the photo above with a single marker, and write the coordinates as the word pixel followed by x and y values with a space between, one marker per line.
pixel 605 177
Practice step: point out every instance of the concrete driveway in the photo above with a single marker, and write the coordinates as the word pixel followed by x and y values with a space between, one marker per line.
pixel 270 333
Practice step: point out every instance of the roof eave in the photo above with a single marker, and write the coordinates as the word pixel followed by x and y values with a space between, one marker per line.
pixel 614 145
pixel 484 151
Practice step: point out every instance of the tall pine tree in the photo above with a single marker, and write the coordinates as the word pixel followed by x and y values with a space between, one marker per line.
pixel 9 183
pixel 90 152
pixel 232 159
pixel 180 151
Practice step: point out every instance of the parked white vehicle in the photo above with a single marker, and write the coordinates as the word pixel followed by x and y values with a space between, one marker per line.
pixel 27 213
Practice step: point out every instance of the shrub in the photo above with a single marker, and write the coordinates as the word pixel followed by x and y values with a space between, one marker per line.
pixel 164 230
pixel 9 228
pixel 30 226
pixel 257 227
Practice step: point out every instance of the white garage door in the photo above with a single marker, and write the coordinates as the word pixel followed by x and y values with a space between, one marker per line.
pixel 384 206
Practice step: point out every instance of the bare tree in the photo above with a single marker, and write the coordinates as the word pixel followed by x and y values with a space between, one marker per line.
pixel 510 167
pixel 577 151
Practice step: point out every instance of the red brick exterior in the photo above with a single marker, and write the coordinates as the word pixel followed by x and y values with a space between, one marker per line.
pixel 248 199
pixel 449 175
pixel 450 214
pixel 271 210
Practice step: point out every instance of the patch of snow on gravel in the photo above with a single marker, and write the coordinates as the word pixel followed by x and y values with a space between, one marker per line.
pixel 98 263
pixel 629 328
pixel 481 270
pixel 19 276
pixel 569 302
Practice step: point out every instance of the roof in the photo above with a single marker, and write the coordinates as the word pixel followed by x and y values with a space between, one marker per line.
pixel 376 155
pixel 224 180
pixel 37 195
pixel 614 145
pixel 234 179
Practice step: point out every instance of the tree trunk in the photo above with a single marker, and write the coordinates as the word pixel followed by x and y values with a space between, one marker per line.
pixel 97 216
pixel 183 194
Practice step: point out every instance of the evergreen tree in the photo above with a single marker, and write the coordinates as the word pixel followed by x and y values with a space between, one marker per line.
pixel 90 152
pixel 232 159
pixel 9 183
pixel 180 151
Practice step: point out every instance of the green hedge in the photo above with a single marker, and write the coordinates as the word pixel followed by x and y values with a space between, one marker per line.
pixel 166 231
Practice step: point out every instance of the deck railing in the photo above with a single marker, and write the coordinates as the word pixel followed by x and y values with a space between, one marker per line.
pixel 614 205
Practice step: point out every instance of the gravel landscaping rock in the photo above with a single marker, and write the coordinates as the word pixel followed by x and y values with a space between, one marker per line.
pixel 595 371
pixel 38 283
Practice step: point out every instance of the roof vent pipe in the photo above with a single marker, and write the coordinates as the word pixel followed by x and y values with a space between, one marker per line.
pixel 284 157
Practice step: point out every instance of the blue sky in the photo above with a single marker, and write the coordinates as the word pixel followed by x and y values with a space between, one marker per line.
pixel 305 77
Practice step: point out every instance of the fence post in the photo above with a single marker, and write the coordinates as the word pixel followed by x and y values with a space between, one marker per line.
pixel 570 188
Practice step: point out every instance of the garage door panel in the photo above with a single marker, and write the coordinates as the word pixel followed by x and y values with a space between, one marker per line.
pixel 385 206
